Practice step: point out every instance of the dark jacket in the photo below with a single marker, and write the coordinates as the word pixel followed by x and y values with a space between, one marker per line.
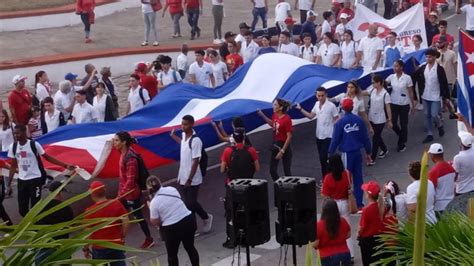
pixel 44 126
pixel 419 77
pixel 109 109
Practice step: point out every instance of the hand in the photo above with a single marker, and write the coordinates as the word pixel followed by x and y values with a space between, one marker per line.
pixel 71 167
pixel 260 112
pixel 371 131
pixel 298 106
pixel 94 71
pixel 389 124
pixel 188 183
pixel 279 155
pixel 172 132
pixel 461 117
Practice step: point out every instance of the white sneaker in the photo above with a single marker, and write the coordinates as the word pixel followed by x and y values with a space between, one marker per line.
pixel 207 224
pixel 419 107
pixel 216 41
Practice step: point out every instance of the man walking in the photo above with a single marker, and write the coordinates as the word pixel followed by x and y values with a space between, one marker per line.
pixel 304 6
pixel 194 9
pixel 260 9
pixel 326 114
pixel 349 136
pixel 189 174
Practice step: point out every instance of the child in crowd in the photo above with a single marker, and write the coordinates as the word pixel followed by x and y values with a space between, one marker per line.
pixel 34 124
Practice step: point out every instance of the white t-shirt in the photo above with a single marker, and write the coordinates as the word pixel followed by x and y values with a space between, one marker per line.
pixel 186 160
pixel 239 39
pixel 6 138
pixel 250 51
pixel 369 47
pixel 167 206
pixel 463 163
pixel 41 92
pixel 340 28
pixel 136 102
pixel 84 113
pixel 99 107
pixel 168 77
pixel 326 27
pixel 377 105
pixel 290 48
pixel 147 8
pixel 399 95
pixel 63 101
pixel 328 53
pixel 27 163
pixel 412 197
pixel 402 211
pixel 308 53
pixel 348 53
pixel 182 62
pixel 259 3
pixel 304 4
pixel 219 70
pixel 281 11
pixel 432 91
pixel 203 73
pixel 217 3
pixel 325 115
pixel 52 121
pixel 469 10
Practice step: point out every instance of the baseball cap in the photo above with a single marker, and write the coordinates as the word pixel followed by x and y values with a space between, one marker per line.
pixel 70 76
pixel 229 34
pixel 347 104
pixel 371 187
pixel 344 15
pixel 244 25
pixel 18 78
pixel 96 186
pixel 436 148
pixel 311 13
pixel 466 138
pixel 141 67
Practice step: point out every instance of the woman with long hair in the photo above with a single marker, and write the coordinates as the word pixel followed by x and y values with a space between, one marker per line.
pixel 282 134
pixel 42 86
pixel 328 52
pixel 103 104
pixel 397 200
pixel 332 230
pixel 348 51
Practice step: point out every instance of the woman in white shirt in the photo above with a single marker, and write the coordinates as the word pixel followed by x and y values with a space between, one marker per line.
pixel 328 52
pixel 379 115
pixel 354 93
pixel 103 104
pixel 348 51
pixel 6 131
pixel 42 85
pixel 219 68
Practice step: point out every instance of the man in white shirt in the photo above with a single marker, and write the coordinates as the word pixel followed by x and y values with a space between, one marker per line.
pixel 260 9
pixel 200 72
pixel 26 159
pixel 251 47
pixel 189 174
pixel 167 75
pixel 304 6
pixel 326 114
pixel 182 61
pixel 469 11
pixel 370 50
pixel 240 40
pixel 413 189
pixel 463 164
pixel 282 11
pixel 64 98
pixel 287 47
pixel 83 111
pixel 138 97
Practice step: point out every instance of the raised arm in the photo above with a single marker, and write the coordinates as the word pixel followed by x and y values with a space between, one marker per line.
pixel 265 118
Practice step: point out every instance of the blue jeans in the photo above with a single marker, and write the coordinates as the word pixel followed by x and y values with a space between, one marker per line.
pixel 431 110
pixel 337 260
pixel 259 12
pixel 87 25
pixel 193 19
pixel 353 162
pixel 109 254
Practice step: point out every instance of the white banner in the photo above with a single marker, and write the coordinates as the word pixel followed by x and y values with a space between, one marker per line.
pixel 407 24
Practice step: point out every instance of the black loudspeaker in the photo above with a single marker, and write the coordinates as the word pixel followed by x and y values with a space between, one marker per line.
pixel 248 200
pixel 295 198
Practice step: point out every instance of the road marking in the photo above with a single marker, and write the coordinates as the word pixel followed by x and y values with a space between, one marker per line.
pixel 243 261
pixel 271 244
pixel 450 17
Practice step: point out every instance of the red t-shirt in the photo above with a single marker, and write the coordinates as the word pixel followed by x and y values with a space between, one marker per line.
pixel 192 4
pixel 329 247
pixel 370 222
pixel 112 233
pixel 175 6
pixel 336 189
pixel 225 157
pixel 233 62
pixel 150 84
pixel 281 127
pixel 440 172
pixel 20 101
pixel 449 38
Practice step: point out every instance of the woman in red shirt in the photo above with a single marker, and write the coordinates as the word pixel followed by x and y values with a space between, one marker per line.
pixel 337 186
pixel 332 230
pixel 85 8
pixel 176 12
pixel 282 133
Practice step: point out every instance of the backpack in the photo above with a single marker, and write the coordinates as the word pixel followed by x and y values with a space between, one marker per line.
pixel 204 158
pixel 175 77
pixel 44 175
pixel 311 48
pixel 35 101
pixel 241 163
pixel 143 173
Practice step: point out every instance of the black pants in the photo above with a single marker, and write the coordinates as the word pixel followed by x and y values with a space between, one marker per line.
pixel 323 147
pixel 135 206
pixel 190 195
pixel 182 73
pixel 387 14
pixel 3 212
pixel 400 113
pixel 274 162
pixel 29 193
pixel 193 20
pixel 85 21
pixel 182 231
pixel 303 16
pixel 367 249
pixel 377 140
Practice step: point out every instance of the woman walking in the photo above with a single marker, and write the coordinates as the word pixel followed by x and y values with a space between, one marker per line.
pixel 176 12
pixel 218 14
pixel 332 230
pixel 177 224
pixel 85 8
pixel 282 135
pixel 103 104
pixel 149 17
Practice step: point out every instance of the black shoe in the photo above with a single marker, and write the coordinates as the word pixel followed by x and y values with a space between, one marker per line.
pixel 228 244
pixel 428 139
pixel 198 32
pixel 441 131
pixel 402 148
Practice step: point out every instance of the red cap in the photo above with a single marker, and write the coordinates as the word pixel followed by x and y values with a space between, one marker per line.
pixel 347 104
pixel 372 188
pixel 96 186
pixel 141 67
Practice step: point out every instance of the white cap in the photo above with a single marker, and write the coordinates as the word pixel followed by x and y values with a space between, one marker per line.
pixel 18 78
pixel 311 13
pixel 436 148
pixel 344 15
pixel 466 138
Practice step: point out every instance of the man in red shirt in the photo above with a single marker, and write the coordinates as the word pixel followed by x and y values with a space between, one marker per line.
pixel 114 233
pixel 442 175
pixel 443 31
pixel 193 9
pixel 148 82
pixel 19 101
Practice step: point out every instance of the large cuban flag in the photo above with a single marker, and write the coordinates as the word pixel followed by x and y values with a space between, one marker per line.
pixel 254 86
pixel 465 84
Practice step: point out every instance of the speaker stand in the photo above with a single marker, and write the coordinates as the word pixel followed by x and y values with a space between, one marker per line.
pixel 247 251
pixel 242 243
pixel 293 247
